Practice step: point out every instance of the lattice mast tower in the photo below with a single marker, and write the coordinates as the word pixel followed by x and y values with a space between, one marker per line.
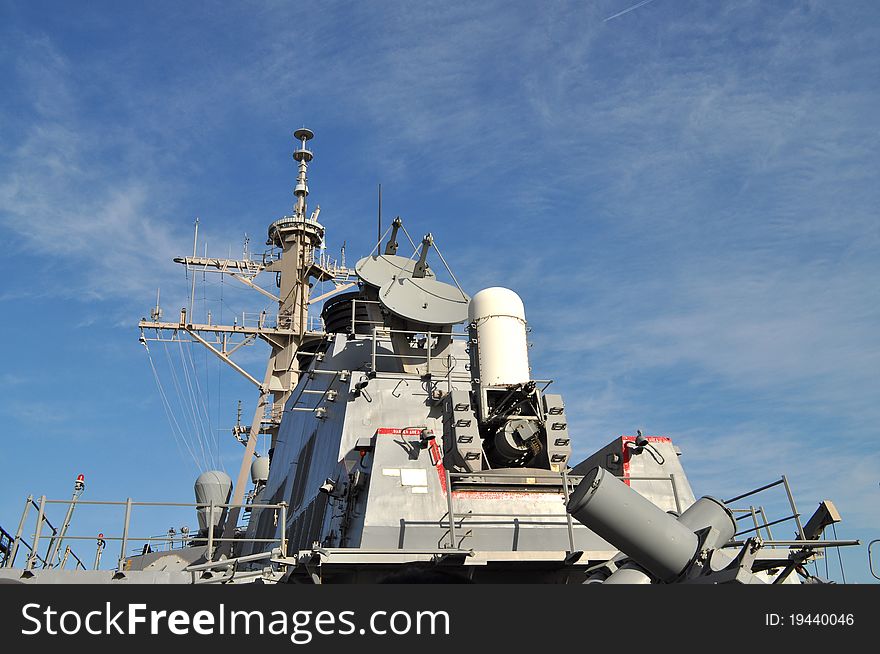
pixel 297 237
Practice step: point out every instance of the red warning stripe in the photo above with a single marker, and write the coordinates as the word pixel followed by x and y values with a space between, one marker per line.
pixel 626 452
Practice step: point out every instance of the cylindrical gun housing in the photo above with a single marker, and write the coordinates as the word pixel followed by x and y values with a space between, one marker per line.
pixel 648 535
pixel 499 318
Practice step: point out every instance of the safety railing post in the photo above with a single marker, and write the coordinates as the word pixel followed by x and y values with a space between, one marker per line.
pixel 675 493
pixel 24 514
pixel 209 554
pixel 567 514
pixel 125 525
pixel 283 528
pixel 764 519
pixel 64 558
pixel 428 344
pixel 449 508
pixel 797 516
pixel 98 551
pixel 754 515
pixel 32 559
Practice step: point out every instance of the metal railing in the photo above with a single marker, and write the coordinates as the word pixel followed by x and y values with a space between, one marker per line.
pixel 423 351
pixel 5 546
pixel 337 268
pixel 377 328
pixel 69 553
pixel 753 511
pixel 210 540
pixel 422 354
pixel 801 540
pixel 355 322
pixel 33 552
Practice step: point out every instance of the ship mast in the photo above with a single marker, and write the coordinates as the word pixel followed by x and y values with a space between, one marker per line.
pixel 297 237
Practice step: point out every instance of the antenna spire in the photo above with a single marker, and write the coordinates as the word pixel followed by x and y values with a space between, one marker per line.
pixel 303 156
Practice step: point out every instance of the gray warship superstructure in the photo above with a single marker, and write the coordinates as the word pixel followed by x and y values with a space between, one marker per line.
pixel 408 433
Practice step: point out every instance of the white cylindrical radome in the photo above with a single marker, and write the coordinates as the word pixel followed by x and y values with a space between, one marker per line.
pixel 499 317
pixel 260 469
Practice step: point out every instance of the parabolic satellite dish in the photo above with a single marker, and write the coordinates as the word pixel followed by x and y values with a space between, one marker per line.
pixel 424 300
pixel 379 269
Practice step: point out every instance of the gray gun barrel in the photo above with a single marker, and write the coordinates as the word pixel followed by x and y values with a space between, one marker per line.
pixel 709 513
pixel 651 537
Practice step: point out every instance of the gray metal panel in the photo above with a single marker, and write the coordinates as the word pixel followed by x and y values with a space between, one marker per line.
pixel 556 425
pixel 667 486
pixel 461 435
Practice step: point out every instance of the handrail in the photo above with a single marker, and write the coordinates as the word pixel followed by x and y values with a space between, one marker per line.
pixel 35 558
pixel 6 543
pixel 752 511
pixel 426 358
pixel 378 329
pixel 804 543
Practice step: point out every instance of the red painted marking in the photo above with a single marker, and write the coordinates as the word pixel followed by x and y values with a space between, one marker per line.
pixel 409 431
pixel 626 451
pixel 437 456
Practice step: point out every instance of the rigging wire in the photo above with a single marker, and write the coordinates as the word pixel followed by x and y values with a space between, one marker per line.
pixel 211 436
pixel 188 401
pixel 449 270
pixel 189 397
pixel 189 411
pixel 176 431
pixel 180 394
pixel 411 242
pixel 184 427
pixel 379 242
pixel 202 409
pixel 198 423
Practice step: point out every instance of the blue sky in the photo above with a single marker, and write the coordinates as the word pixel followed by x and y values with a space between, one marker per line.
pixel 685 196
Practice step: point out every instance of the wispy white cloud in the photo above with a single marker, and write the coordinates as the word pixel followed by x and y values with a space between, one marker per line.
pixel 77 194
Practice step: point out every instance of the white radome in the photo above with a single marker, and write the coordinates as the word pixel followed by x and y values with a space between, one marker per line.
pixel 500 320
